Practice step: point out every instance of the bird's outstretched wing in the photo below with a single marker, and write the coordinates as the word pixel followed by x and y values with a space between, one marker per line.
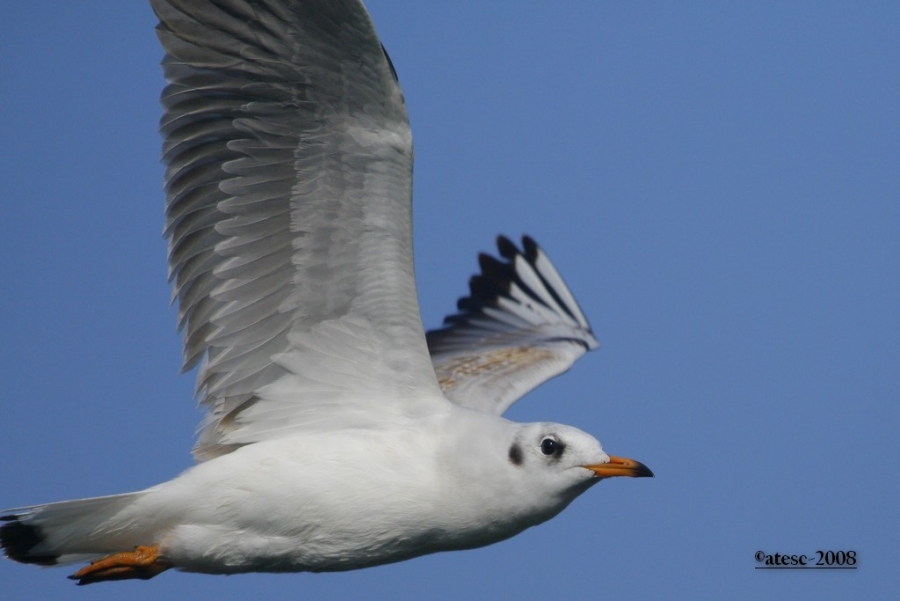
pixel 519 327
pixel 288 178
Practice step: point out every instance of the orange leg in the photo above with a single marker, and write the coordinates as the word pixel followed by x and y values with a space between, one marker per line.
pixel 143 563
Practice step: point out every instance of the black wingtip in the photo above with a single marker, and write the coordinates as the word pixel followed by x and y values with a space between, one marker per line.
pixel 531 248
pixel 18 539
pixel 506 247
pixel 495 277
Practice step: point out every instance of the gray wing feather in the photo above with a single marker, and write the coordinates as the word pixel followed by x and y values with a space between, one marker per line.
pixel 519 326
pixel 288 178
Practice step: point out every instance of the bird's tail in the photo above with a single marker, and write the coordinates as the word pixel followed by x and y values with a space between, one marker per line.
pixel 70 531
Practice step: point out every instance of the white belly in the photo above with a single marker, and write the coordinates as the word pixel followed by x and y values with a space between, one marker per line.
pixel 314 503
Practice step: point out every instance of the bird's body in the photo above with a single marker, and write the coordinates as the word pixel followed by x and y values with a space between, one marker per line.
pixel 338 435
pixel 344 499
pixel 327 502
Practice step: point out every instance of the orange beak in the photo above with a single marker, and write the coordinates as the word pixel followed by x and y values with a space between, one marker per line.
pixel 620 466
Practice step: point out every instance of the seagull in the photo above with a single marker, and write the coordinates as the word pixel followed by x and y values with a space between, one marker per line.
pixel 338 435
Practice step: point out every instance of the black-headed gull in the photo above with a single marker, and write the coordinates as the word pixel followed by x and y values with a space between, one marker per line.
pixel 337 436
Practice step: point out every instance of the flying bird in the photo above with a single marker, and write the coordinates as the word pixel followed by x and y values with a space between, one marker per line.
pixel 337 434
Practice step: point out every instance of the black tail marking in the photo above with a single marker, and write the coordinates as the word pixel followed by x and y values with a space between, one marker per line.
pixel 18 539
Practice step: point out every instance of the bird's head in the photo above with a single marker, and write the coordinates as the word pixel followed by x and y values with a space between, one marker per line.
pixel 566 459
pixel 504 476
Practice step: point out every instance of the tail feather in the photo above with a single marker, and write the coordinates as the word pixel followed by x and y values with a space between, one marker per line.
pixel 70 531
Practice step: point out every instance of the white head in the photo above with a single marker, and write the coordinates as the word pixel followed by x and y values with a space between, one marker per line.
pixel 565 459
pixel 519 475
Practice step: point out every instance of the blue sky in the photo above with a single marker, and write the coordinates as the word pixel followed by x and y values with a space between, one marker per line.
pixel 718 183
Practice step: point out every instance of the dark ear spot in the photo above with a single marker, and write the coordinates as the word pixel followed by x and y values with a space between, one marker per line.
pixel 515 454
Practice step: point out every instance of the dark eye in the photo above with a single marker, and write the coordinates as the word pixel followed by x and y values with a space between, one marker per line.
pixel 550 446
